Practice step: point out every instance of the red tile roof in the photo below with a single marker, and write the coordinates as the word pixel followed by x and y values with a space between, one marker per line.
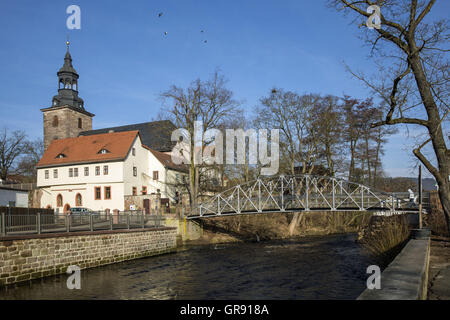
pixel 85 149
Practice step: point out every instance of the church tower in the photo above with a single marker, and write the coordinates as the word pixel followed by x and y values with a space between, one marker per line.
pixel 66 117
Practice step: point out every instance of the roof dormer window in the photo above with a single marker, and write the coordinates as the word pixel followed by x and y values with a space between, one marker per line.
pixel 61 155
pixel 103 151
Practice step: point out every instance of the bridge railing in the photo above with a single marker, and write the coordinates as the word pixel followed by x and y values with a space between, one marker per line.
pixel 20 224
pixel 300 192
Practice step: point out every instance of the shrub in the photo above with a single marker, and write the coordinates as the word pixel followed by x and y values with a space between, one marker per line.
pixel 385 236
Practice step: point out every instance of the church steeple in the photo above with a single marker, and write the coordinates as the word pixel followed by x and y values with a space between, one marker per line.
pixel 68 85
pixel 66 117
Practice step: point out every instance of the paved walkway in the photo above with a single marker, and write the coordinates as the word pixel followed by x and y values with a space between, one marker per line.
pixel 439 270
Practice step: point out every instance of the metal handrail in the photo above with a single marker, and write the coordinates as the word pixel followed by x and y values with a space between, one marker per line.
pixel 21 224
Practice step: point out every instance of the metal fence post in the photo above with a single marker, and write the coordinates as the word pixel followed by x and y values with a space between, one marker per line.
pixel 334 195
pixel 110 221
pixel 128 221
pixel 3 224
pixel 38 222
pixel 91 224
pixel 306 194
pixel 362 199
pixel 143 221
pixel 393 203
pixel 67 221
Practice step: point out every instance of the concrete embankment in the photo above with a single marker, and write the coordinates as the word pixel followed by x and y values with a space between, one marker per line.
pixel 24 258
pixel 406 277
pixel 187 230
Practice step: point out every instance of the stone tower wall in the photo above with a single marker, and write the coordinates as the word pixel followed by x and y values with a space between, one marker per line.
pixel 67 124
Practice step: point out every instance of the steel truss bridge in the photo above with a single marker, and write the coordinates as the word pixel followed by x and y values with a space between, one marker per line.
pixel 299 193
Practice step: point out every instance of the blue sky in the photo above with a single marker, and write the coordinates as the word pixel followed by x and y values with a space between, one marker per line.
pixel 125 61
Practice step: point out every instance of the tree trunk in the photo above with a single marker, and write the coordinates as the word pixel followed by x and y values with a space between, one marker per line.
pixel 435 131
pixel 294 222
pixel 444 196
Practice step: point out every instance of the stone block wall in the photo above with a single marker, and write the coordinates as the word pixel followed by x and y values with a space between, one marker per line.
pixel 26 259
pixel 67 124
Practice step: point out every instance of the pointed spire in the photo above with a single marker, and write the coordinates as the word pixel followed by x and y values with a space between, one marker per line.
pixel 67 67
pixel 68 84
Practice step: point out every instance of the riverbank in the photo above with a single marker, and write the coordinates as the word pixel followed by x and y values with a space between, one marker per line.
pixel 27 257
pixel 439 269
pixel 322 267
pixel 273 226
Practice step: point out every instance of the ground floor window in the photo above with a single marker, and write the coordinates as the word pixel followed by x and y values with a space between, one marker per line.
pixel 98 193
pixel 134 191
pixel 144 190
pixel 107 192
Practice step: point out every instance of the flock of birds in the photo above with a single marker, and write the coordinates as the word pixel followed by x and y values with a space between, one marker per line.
pixel 165 32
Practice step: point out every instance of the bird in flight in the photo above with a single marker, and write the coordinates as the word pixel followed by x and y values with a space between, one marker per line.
pixel 160 15
pixel 165 33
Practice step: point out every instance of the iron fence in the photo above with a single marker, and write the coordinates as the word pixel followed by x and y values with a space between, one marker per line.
pixel 20 186
pixel 21 224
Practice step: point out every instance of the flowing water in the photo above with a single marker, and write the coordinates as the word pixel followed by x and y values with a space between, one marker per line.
pixel 326 267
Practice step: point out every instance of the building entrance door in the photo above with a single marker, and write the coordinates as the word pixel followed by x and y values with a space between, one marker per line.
pixel 146 206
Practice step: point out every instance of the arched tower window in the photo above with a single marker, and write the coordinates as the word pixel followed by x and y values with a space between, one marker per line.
pixel 59 200
pixel 80 123
pixel 78 200
pixel 55 121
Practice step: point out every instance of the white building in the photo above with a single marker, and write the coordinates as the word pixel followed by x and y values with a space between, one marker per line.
pixel 104 171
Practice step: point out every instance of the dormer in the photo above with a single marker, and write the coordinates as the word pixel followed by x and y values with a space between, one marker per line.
pixel 103 151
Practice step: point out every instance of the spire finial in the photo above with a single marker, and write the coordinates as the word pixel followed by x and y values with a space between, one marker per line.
pixel 67 42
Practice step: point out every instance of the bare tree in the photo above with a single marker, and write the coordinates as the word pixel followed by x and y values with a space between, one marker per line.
pixel 292 114
pixel 34 150
pixel 414 79
pixel 328 122
pixel 12 146
pixel 356 117
pixel 209 102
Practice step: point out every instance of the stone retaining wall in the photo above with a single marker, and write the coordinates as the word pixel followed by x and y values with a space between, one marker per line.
pixel 27 258
pixel 186 229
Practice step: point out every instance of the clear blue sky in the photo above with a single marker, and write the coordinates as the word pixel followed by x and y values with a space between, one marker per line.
pixel 125 61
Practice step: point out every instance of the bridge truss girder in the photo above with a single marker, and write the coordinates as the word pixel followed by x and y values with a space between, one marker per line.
pixel 296 193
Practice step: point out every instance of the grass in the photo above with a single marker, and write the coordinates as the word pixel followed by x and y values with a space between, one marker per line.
pixel 385 236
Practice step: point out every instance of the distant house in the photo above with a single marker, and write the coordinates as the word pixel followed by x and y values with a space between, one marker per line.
pixel 102 171
pixel 12 197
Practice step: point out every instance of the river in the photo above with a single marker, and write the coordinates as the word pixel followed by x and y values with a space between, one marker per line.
pixel 326 267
